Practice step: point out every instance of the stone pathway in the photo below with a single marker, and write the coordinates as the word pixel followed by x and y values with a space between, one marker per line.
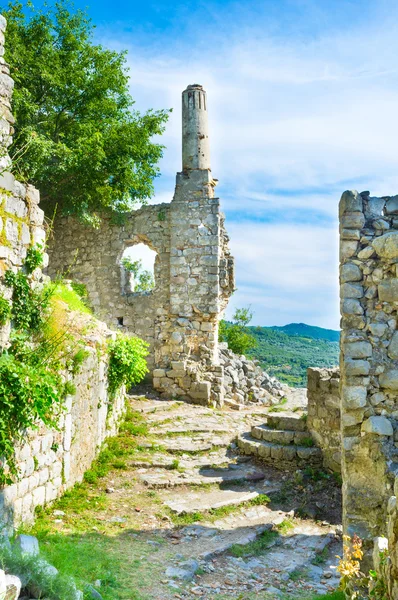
pixel 240 544
pixel 192 516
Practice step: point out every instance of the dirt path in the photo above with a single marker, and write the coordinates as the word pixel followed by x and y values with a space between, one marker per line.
pixel 172 510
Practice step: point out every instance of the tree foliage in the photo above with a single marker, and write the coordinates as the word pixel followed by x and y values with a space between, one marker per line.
pixel 143 279
pixel 236 335
pixel 77 137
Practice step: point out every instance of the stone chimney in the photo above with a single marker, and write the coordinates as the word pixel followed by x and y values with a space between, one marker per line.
pixel 195 131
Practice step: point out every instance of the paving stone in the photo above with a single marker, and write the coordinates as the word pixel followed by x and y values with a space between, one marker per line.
pixel 157 478
pixel 199 501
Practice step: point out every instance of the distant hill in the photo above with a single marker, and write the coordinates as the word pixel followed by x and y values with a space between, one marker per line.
pixel 286 352
pixel 303 330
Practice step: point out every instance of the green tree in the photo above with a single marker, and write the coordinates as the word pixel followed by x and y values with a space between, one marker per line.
pixel 77 137
pixel 143 279
pixel 236 334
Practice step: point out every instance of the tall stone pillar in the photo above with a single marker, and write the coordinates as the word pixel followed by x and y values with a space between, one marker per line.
pixel 195 129
pixel 369 360
pixel 201 269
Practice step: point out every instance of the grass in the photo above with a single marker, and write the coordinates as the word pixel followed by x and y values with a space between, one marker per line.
pixel 184 519
pixel 258 546
pixel 307 442
pixel 320 557
pixel 286 526
pixel 71 298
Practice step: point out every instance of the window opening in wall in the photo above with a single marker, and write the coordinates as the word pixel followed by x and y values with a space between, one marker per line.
pixel 120 321
pixel 137 265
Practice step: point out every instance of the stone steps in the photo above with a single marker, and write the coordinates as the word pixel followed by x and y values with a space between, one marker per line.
pixel 282 436
pixel 233 474
pixel 280 456
pixel 290 422
pixel 200 501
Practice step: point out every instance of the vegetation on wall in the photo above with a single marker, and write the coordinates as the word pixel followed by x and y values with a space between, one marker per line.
pixel 31 387
pixel 44 347
pixel 77 137
pixel 127 364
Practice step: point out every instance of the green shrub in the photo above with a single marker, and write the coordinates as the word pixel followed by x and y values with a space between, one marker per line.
pixel 34 258
pixel 5 310
pixel 127 364
pixel 29 395
pixel 236 334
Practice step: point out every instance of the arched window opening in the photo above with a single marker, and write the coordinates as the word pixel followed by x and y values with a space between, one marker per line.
pixel 138 269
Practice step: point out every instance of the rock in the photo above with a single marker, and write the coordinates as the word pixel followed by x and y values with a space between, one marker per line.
pixel 389 379
pixel 92 592
pixel 354 396
pixel 377 425
pixel 358 349
pixel 13 584
pixel 388 290
pixel 386 245
pixel 3 583
pixel 392 206
pixel 393 346
pixel 350 272
pixel 185 572
pixel 28 544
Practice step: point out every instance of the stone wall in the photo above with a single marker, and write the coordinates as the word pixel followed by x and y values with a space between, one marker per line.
pixel 385 551
pixel 194 274
pixel 49 461
pixel 369 359
pixel 21 219
pixel 324 414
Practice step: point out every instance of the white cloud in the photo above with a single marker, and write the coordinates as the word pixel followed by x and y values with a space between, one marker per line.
pixel 294 114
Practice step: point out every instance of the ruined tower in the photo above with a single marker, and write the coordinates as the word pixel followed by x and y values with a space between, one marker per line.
pixel 195 129
pixel 194 274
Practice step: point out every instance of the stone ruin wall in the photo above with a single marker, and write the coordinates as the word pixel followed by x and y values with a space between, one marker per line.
pixel 194 271
pixel 52 461
pixel 369 359
pixel 49 461
pixel 323 420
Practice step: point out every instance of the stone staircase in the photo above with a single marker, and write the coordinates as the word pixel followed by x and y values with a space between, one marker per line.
pixel 283 442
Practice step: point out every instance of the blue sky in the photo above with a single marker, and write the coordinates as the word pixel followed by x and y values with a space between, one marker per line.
pixel 302 97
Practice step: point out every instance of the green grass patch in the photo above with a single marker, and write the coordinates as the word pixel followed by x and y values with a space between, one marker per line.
pixel 258 546
pixel 320 557
pixel 286 526
pixel 68 295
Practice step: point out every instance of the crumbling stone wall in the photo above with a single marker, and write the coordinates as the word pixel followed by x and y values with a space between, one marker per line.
pixel 21 219
pixel 194 274
pixel 49 461
pixel 369 358
pixel 324 414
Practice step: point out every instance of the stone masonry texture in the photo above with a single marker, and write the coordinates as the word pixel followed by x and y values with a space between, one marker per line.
pixel 194 271
pixel 369 359
pixel 324 414
pixel 49 461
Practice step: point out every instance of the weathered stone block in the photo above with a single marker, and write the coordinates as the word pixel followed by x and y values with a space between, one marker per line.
pixel 389 379
pixel 357 349
pixel 350 272
pixel 393 346
pixel 351 290
pixel 378 425
pixel 388 290
pixel 354 396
